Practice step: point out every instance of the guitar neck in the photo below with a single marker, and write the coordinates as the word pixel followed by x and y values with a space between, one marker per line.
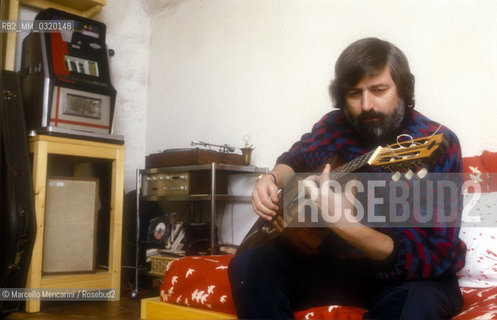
pixel 353 165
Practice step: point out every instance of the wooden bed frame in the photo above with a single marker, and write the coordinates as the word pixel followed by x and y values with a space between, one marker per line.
pixel 153 308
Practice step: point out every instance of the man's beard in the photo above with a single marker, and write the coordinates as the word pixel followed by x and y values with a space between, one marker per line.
pixel 382 129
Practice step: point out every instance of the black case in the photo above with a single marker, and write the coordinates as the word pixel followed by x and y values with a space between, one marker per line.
pixel 17 215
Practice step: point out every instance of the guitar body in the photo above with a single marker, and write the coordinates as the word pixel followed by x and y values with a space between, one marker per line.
pixel 303 241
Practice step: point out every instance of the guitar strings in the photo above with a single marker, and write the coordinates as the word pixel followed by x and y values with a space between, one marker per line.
pixel 346 168
pixel 412 141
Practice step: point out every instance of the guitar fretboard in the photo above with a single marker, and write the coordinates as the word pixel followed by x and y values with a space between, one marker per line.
pixel 351 166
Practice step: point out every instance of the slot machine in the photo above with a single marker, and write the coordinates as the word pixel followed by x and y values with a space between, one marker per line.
pixel 66 81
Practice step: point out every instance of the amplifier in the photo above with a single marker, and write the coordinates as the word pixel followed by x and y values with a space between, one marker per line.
pixel 159 182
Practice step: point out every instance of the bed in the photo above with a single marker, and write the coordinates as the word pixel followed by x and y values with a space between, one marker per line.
pixel 197 287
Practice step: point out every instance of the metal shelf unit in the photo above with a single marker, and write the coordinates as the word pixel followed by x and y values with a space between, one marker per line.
pixel 213 196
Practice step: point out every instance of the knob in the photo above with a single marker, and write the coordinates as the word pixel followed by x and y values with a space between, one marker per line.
pixel 409 174
pixel 422 173
pixel 396 176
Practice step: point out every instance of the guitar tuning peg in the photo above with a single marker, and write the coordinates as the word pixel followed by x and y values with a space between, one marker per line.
pixel 396 176
pixel 422 173
pixel 409 174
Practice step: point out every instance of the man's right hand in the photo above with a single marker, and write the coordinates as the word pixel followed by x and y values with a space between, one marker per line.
pixel 265 197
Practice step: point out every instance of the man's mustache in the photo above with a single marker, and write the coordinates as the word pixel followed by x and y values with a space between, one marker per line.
pixel 370 115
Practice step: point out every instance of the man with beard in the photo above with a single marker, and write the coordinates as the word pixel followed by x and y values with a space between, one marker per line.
pixel 394 273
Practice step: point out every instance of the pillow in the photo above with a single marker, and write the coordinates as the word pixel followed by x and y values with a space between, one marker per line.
pixel 482 169
pixel 199 281
pixel 475 168
pixel 490 161
pixel 480 269
pixel 481 238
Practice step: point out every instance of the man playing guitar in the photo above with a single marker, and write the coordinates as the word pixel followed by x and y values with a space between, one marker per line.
pixel 393 272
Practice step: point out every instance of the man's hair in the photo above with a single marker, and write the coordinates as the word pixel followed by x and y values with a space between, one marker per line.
pixel 369 57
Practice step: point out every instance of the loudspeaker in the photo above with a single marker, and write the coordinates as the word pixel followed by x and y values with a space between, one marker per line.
pixel 69 241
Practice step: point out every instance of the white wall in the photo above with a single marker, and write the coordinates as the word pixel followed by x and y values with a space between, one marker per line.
pixel 128 33
pixel 220 69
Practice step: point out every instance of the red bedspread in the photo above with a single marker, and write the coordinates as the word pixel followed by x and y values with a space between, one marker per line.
pixel 202 282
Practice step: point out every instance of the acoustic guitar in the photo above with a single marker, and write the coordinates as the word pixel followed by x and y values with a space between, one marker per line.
pixel 399 157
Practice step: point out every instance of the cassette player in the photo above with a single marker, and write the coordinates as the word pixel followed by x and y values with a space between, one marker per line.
pixel 182 185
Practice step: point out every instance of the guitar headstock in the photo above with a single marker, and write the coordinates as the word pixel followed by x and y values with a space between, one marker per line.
pixel 411 154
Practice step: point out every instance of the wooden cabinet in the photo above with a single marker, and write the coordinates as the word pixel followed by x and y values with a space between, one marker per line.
pixel 43 148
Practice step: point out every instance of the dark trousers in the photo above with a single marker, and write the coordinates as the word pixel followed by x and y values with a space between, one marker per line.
pixel 269 283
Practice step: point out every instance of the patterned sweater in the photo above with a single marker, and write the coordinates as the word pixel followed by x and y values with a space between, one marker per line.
pixel 418 252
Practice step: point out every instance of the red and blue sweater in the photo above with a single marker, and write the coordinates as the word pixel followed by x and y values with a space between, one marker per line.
pixel 419 252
